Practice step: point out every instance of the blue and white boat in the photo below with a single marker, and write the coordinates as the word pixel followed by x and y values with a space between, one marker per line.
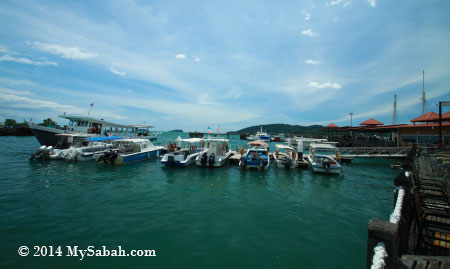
pixel 182 152
pixel 130 150
pixel 260 135
pixel 216 154
pixel 256 156
pixel 324 158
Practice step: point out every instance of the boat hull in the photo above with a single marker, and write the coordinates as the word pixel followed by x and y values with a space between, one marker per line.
pixel 136 157
pixel 219 161
pixel 48 136
pixel 318 167
pixel 190 159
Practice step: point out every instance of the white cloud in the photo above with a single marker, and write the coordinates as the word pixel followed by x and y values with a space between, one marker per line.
pixel 336 2
pixel 197 59
pixel 4 49
pixel 11 81
pixel 65 52
pixel 332 3
pixel 307 15
pixel 180 56
pixel 372 3
pixel 22 60
pixel 16 104
pixel 9 91
pixel 117 72
pixel 309 32
pixel 317 85
pixel 310 61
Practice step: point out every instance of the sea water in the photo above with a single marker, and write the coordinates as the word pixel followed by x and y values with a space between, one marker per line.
pixel 191 217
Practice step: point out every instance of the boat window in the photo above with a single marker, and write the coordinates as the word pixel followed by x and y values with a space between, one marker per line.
pixel 70 123
pixel 90 124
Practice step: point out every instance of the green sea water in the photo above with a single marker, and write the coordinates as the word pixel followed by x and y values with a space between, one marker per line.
pixel 192 217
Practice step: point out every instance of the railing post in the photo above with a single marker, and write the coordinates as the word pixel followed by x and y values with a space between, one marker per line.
pixel 386 232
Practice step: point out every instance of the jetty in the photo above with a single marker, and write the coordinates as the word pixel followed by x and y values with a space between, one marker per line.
pixel 374 152
pixel 417 234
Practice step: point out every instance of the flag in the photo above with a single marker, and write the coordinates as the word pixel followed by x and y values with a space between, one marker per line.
pixel 92 105
pixel 209 130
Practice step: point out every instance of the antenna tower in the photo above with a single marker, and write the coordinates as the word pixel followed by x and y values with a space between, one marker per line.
pixel 424 101
pixel 395 115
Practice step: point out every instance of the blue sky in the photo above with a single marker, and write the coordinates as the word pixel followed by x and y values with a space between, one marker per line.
pixel 193 64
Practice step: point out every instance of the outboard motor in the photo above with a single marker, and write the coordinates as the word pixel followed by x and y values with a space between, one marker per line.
pixel 243 161
pixel 326 164
pixel 104 157
pixel 204 159
pixel 113 156
pixel 212 158
pixel 38 152
pixel 261 163
pixel 170 160
pixel 287 163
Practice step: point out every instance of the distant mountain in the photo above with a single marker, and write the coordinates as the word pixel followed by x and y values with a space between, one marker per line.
pixel 176 131
pixel 280 128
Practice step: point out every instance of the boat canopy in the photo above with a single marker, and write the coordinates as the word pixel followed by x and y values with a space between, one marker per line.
pixel 219 139
pixel 190 140
pixel 323 146
pixel 104 138
pixel 281 146
pixel 100 121
pixel 258 143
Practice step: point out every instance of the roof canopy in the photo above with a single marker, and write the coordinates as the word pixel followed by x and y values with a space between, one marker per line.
pixel 258 143
pixel 371 122
pixel 332 125
pixel 427 117
pixel 100 121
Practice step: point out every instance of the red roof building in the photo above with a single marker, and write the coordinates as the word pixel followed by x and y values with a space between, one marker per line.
pixel 427 117
pixel 332 125
pixel 371 122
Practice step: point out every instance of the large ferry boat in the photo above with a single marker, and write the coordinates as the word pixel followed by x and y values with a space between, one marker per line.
pixel 87 126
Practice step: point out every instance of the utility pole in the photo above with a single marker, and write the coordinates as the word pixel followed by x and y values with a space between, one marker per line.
pixel 351 119
pixel 423 93
pixel 394 116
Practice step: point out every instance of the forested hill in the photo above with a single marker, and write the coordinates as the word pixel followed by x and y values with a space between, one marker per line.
pixel 280 128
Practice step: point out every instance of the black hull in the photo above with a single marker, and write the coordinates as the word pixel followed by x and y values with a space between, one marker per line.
pixel 50 139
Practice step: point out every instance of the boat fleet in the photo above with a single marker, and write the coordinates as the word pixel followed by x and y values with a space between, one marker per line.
pixel 87 138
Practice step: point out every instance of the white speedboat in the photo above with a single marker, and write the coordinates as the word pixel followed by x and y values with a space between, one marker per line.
pixel 129 150
pixel 82 148
pixel 217 153
pixel 255 156
pixel 324 158
pixel 285 156
pixel 182 152
pixel 86 126
pixel 305 141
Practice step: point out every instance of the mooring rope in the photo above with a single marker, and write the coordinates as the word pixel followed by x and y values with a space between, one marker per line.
pixel 397 213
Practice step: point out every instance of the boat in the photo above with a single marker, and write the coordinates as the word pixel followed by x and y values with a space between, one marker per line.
pixel 255 156
pixel 260 135
pixel 129 150
pixel 324 158
pixel 82 149
pixel 278 138
pixel 217 153
pixel 285 156
pixel 293 142
pixel 86 126
pixel 182 152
